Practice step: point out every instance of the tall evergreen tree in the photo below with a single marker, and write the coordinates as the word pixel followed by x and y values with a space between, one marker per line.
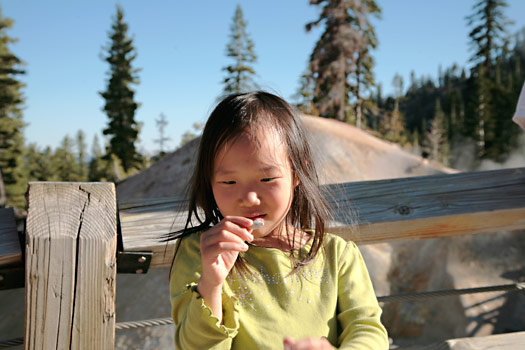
pixel 11 122
pixel 396 124
pixel 240 74
pixel 341 62
pixel 488 32
pixel 39 164
pixel 363 77
pixel 80 144
pixel 120 106
pixel 334 56
pixel 96 164
pixel 162 122
pixel 64 161
pixel 436 143
pixel 487 37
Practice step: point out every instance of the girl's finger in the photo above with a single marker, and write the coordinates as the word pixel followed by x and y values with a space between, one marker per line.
pixel 214 250
pixel 225 234
pixel 243 223
pixel 234 225
pixel 239 220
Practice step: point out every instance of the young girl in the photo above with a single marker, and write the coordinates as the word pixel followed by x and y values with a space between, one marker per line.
pixel 259 271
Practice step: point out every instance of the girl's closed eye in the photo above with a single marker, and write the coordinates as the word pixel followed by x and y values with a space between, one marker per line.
pixel 228 182
pixel 268 179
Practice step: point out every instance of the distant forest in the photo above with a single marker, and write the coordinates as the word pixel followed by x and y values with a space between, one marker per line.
pixel 461 112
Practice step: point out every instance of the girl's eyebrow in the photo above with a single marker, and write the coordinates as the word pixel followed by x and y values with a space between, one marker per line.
pixel 228 172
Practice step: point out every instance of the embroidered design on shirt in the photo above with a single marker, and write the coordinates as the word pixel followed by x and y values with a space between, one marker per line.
pixel 238 282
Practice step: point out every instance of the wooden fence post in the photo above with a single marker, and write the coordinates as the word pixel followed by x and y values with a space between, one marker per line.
pixel 70 266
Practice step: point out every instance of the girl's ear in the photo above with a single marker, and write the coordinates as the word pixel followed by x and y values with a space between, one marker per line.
pixel 295 181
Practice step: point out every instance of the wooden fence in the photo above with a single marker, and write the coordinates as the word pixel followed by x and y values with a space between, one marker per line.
pixel 76 237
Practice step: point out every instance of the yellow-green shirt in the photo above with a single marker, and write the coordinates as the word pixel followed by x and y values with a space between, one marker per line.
pixel 331 297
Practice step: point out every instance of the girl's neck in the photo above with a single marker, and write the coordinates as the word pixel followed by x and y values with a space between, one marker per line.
pixel 284 242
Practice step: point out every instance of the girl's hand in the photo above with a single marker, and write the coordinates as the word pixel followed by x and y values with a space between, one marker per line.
pixel 307 344
pixel 220 247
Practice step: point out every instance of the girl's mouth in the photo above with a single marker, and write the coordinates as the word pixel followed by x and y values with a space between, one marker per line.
pixel 258 221
pixel 257 217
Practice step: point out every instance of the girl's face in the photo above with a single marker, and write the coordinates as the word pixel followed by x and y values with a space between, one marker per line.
pixel 254 181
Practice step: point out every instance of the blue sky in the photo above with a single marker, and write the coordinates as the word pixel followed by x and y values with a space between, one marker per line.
pixel 181 53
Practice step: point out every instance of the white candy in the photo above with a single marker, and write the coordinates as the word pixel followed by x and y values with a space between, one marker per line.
pixel 257 224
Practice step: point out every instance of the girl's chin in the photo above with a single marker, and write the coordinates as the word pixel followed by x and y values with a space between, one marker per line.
pixel 260 233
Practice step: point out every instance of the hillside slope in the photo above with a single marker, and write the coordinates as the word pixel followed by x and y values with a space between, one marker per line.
pixel 345 154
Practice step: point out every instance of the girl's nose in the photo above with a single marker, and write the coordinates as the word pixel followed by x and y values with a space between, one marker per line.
pixel 251 198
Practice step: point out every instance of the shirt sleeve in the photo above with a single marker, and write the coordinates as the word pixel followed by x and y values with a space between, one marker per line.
pixel 358 310
pixel 195 326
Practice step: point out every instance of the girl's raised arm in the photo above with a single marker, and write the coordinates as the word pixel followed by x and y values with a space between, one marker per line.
pixel 196 324
pixel 219 248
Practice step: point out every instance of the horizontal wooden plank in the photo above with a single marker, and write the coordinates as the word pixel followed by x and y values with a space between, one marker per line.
pixel 10 251
pixel 508 341
pixel 429 206
pixel 441 226
pixel 145 224
pixel 421 197
pixel 369 211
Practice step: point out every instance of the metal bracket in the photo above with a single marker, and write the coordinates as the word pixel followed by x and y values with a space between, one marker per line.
pixel 12 277
pixel 133 262
pixel 127 262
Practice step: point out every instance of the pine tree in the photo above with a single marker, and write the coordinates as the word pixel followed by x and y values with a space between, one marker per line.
pixel 436 144
pixel 487 39
pixel 162 122
pixel 396 124
pixel 379 95
pixel 11 122
pixel 488 21
pixel 334 56
pixel 82 169
pixel 96 166
pixel 39 164
pixel 363 76
pixel 413 82
pixel 64 161
pixel 120 106
pixel 240 74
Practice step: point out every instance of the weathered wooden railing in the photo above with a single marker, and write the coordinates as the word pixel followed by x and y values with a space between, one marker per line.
pixel 74 234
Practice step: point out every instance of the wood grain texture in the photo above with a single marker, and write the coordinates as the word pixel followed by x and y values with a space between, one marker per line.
pixel 429 206
pixel 145 224
pixel 10 252
pixel 369 211
pixel 70 266
pixel 429 196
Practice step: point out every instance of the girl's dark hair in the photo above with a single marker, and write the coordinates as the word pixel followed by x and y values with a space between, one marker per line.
pixel 247 113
